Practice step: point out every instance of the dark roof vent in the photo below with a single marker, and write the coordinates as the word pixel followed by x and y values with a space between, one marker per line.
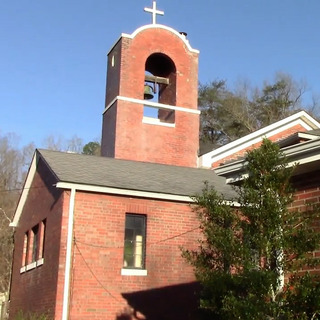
pixel 184 34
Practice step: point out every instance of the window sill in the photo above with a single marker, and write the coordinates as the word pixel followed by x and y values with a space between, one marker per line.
pixel 32 265
pixel 157 122
pixel 40 262
pixel 134 272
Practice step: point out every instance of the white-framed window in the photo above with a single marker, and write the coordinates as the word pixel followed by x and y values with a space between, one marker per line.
pixel 134 241
pixel 33 247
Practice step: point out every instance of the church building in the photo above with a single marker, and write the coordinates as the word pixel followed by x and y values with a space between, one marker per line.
pixel 101 237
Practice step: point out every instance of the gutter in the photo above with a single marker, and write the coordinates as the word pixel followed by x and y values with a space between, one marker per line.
pixel 66 291
pixel 124 192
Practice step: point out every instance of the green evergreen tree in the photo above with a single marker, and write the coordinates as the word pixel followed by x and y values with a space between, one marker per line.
pixel 246 252
pixel 92 148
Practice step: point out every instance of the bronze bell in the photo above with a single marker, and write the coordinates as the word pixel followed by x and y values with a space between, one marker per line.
pixel 148 92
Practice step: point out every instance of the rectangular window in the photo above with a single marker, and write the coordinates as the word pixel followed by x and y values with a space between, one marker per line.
pixel 42 233
pixel 33 247
pixel 134 241
pixel 35 244
pixel 25 249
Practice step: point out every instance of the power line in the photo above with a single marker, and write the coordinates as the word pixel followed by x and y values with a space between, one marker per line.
pixel 120 247
pixel 149 244
pixel 93 274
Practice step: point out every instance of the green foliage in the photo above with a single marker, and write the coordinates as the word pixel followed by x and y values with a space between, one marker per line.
pixel 245 252
pixel 302 297
pixel 228 114
pixel 92 148
pixel 222 113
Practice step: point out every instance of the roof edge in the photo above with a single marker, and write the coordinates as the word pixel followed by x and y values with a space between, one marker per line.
pixel 301 117
pixel 124 192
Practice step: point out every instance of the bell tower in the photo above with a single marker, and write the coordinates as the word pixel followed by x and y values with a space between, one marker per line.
pixel 151 111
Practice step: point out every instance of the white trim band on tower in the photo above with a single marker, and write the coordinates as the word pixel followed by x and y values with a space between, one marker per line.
pixel 151 104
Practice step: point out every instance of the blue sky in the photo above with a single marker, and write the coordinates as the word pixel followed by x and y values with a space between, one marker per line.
pixel 53 53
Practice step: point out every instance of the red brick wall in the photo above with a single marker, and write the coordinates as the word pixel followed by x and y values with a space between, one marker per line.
pixel 98 290
pixel 35 290
pixel 109 132
pixel 98 254
pixel 279 136
pixel 135 140
pixel 135 53
pixel 139 141
pixel 113 73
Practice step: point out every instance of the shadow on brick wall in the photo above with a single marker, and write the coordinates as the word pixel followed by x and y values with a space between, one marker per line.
pixel 169 303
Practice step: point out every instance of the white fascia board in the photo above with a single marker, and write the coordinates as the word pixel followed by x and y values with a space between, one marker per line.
pixel 123 192
pixel 151 104
pixel 132 193
pixel 25 190
pixel 309 136
pixel 313 123
pixel 301 118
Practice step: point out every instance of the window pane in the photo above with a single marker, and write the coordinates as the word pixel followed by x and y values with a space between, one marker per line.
pixel 35 245
pixel 129 234
pixel 134 242
pixel 128 253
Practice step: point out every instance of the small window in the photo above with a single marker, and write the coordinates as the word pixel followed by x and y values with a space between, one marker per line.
pixel 35 244
pixel 42 233
pixel 25 249
pixel 134 241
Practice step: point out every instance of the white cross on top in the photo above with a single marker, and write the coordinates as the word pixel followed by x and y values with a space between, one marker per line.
pixel 154 12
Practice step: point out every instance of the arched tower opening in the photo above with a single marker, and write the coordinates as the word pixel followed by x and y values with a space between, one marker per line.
pixel 160 86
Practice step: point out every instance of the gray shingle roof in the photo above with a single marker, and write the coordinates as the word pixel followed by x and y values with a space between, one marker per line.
pixel 132 175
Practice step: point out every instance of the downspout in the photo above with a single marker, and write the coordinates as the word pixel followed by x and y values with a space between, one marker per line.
pixel 66 291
